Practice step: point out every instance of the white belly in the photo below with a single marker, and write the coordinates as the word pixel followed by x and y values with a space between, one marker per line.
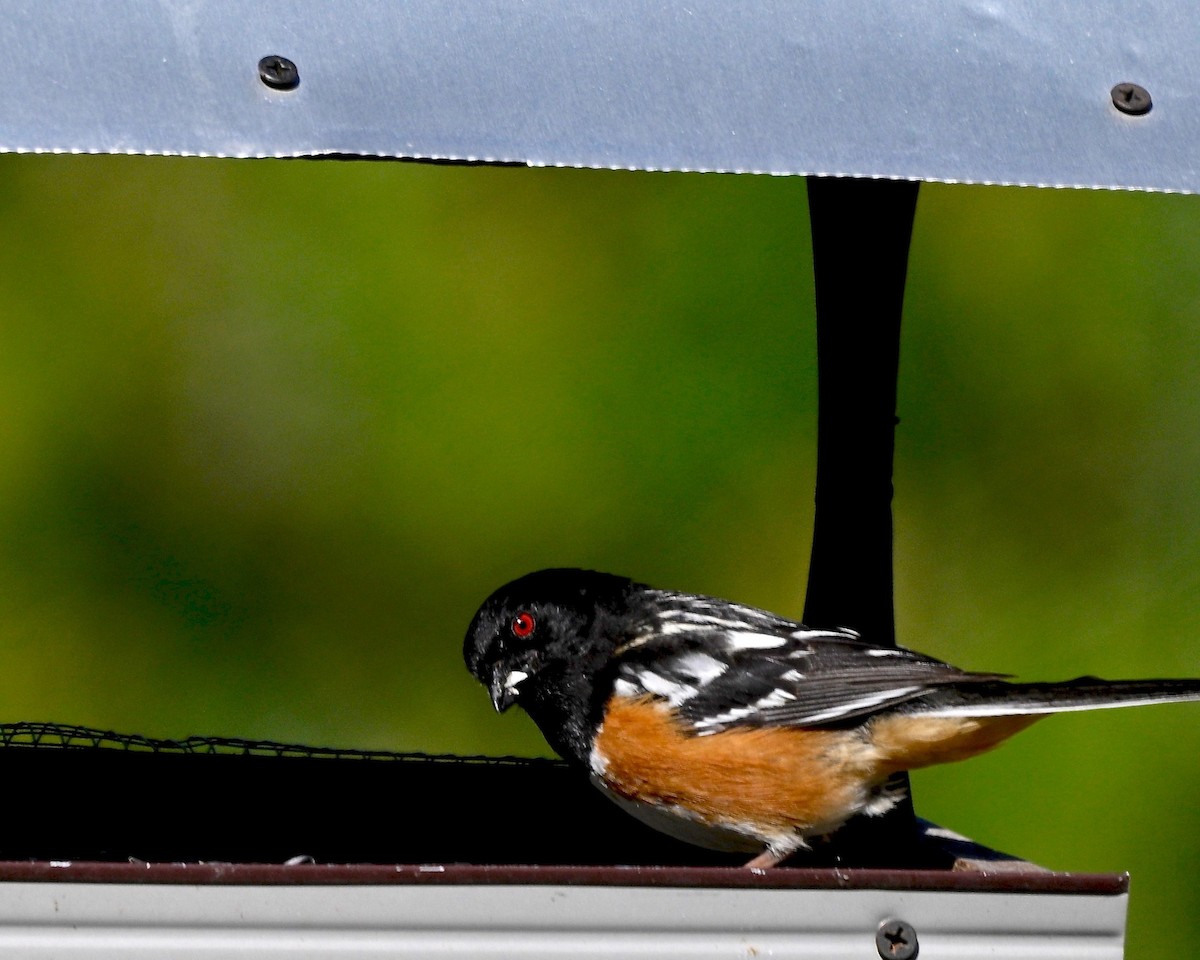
pixel 678 823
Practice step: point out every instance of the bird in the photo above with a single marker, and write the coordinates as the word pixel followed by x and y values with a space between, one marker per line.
pixel 734 728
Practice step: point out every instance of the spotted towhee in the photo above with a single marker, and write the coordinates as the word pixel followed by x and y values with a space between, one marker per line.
pixel 734 728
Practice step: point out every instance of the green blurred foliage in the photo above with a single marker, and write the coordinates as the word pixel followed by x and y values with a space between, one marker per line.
pixel 273 429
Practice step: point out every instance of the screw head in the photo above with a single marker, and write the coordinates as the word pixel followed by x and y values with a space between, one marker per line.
pixel 1131 98
pixel 278 73
pixel 896 940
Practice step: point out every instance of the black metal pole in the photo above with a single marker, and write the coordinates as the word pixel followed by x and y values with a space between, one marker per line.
pixel 861 231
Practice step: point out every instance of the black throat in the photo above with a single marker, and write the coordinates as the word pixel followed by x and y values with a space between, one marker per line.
pixel 567 698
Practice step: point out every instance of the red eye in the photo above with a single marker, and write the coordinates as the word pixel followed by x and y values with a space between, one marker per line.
pixel 523 624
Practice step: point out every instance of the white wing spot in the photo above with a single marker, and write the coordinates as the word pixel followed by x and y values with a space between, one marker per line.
pixel 791 676
pixel 699 667
pixel 862 703
pixel 885 652
pixel 670 628
pixel 628 645
pixel 776 698
pixel 674 693
pixel 680 621
pixel 742 640
pixel 720 719
pixel 806 634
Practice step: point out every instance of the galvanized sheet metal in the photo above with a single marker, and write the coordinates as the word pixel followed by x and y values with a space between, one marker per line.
pixel 405 920
pixel 1003 91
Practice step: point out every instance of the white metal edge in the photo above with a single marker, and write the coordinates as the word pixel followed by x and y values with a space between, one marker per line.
pixel 982 91
pixel 41 920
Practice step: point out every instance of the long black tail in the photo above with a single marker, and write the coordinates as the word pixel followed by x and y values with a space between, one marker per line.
pixel 996 698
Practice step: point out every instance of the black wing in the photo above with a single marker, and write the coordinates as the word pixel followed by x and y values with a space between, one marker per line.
pixel 723 665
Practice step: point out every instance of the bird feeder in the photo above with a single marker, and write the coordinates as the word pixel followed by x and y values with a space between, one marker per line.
pixel 866 100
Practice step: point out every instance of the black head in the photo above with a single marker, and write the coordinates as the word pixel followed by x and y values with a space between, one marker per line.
pixel 544 640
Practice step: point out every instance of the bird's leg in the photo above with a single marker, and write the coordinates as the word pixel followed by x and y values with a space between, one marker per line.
pixel 768 858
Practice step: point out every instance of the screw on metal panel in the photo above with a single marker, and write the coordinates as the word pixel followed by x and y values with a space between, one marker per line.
pixel 896 940
pixel 1131 98
pixel 278 72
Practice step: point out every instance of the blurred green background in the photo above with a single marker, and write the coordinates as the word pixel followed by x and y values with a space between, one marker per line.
pixel 271 430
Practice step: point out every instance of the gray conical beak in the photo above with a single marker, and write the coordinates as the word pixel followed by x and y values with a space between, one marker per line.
pixel 504 688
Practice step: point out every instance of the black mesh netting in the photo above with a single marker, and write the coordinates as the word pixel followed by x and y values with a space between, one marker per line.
pixel 73 793
pixel 67 737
